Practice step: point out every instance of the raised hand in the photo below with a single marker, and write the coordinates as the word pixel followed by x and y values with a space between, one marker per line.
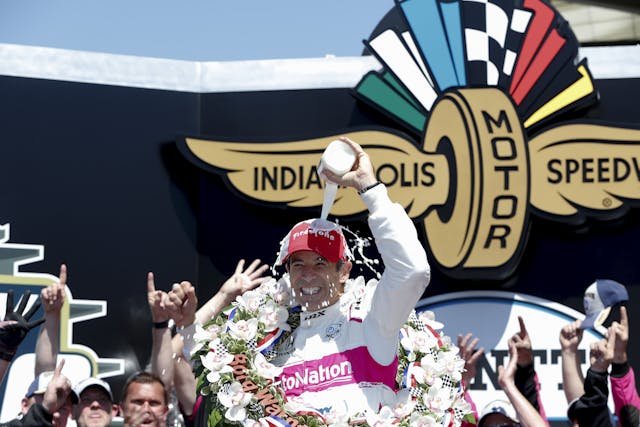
pixel 156 300
pixel 361 174
pixel 571 336
pixel 470 356
pixel 243 281
pixel 522 343
pixel 601 354
pixel 57 391
pixel 182 303
pixel 621 331
pixel 506 374
pixel 53 295
pixel 16 325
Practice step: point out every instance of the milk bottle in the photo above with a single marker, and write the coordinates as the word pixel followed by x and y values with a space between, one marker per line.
pixel 338 158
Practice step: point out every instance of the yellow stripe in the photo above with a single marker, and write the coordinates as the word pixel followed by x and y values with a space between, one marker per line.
pixel 580 89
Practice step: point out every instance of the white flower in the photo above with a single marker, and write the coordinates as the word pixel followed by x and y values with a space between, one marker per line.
pixel 421 420
pixel 438 398
pixel 336 418
pixel 404 403
pixel 452 364
pixel 418 341
pixel 250 300
pixel 384 418
pixel 216 363
pixel 462 405
pixel 243 329
pixel 429 318
pixel 204 335
pixel 432 369
pixel 235 399
pixel 273 316
pixel 264 368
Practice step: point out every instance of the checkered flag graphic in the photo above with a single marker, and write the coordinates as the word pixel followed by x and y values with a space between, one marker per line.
pixel 493 31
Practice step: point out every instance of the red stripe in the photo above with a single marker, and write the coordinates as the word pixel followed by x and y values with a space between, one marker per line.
pixel 435 334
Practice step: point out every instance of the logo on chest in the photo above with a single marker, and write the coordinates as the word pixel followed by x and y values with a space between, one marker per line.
pixel 333 330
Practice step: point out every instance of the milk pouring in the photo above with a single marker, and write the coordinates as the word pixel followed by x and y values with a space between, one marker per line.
pixel 338 158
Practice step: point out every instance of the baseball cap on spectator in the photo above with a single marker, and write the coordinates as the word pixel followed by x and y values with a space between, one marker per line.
pixel 320 236
pixel 91 382
pixel 501 407
pixel 599 299
pixel 39 384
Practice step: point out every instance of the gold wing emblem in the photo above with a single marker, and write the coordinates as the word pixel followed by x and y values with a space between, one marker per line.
pixel 584 169
pixel 286 172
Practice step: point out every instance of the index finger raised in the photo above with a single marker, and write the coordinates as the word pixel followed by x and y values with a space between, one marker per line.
pixel 58 370
pixel 63 275
pixel 523 328
pixel 624 320
pixel 151 285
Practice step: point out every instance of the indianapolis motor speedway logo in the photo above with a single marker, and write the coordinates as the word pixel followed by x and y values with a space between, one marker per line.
pixel 81 361
pixel 476 88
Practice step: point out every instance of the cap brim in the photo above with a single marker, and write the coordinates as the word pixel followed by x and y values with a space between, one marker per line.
pixel 78 390
pixel 595 320
pixel 589 321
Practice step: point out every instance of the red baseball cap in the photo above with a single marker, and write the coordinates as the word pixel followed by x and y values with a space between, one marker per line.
pixel 320 236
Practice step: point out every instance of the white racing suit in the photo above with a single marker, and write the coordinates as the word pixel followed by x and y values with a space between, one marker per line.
pixel 343 359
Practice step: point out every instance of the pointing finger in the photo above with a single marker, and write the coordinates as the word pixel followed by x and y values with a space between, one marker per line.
pixel 151 286
pixel 63 275
pixel 624 320
pixel 523 328
pixel 58 370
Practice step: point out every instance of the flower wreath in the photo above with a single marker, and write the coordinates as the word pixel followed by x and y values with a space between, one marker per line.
pixel 238 382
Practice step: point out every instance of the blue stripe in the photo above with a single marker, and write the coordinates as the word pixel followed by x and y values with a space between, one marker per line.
pixel 453 25
pixel 426 25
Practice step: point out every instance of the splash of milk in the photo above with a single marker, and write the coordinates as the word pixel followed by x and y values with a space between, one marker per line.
pixel 355 250
pixel 330 191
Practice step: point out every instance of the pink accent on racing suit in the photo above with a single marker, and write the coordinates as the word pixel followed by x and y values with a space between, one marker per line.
pixel 623 387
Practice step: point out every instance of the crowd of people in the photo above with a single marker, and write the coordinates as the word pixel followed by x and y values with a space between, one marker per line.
pixel 362 333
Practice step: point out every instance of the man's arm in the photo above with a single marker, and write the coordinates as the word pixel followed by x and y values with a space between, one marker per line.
pixel 55 396
pixel 526 379
pixel 48 342
pixel 572 379
pixel 407 271
pixel 623 381
pixel 161 350
pixel 528 415
pixel 184 381
pixel 470 354
pixel 240 282
pixel 591 408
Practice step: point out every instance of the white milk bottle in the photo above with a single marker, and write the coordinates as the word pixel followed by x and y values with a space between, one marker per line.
pixel 338 158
